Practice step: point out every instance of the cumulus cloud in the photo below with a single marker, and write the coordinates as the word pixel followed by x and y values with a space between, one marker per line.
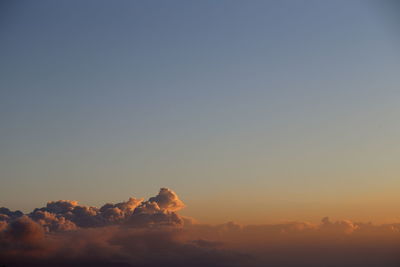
pixel 167 200
pixel 158 211
pixel 62 215
pixel 117 212
pixel 7 215
pixel 152 233
pixel 51 222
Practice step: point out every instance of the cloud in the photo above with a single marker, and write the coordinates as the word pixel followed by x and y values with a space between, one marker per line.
pixel 344 226
pixel 7 215
pixel 51 222
pixel 152 233
pixel 63 215
pixel 117 212
pixel 167 200
pixel 24 230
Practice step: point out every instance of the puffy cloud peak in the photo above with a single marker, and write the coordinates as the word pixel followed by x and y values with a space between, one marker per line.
pixel 168 200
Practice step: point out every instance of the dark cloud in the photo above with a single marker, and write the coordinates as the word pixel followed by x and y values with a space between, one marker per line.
pixel 24 230
pixel 152 233
pixel 206 243
pixel 7 215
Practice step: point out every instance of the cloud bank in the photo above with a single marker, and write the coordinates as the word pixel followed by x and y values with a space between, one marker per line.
pixel 152 233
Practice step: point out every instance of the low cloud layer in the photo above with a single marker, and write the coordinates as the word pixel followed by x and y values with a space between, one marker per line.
pixel 152 233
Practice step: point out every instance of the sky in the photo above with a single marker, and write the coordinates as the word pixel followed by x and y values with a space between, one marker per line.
pixel 282 110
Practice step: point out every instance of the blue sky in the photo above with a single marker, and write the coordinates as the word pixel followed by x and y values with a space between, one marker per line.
pixel 288 104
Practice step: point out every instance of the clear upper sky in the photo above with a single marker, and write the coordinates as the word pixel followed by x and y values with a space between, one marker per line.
pixel 282 109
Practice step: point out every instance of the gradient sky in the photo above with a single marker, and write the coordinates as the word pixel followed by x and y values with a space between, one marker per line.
pixel 285 110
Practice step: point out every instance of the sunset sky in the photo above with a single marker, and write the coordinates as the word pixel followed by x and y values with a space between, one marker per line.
pixel 282 110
